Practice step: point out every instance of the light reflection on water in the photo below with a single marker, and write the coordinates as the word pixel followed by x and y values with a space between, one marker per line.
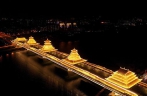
pixel 50 73
pixel 46 70
pixel 67 46
pixel 62 46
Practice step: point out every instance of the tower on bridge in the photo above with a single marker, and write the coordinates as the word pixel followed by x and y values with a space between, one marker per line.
pixel 31 41
pixel 48 47
pixel 124 78
pixel 21 39
pixel 74 57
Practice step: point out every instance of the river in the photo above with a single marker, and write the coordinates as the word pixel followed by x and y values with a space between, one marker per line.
pixel 24 73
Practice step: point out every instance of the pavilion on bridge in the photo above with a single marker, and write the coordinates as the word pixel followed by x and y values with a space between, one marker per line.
pixel 124 78
pixel 48 47
pixel 32 41
pixel 74 57
pixel 21 39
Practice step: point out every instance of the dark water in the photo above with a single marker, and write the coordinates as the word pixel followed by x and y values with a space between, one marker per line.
pixel 25 73
pixel 110 50
pixel 22 73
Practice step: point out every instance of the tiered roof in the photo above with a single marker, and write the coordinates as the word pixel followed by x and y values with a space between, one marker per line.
pixel 74 57
pixel 124 78
pixel 31 41
pixel 22 39
pixel 47 47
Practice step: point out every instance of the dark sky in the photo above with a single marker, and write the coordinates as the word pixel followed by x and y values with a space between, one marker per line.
pixel 63 8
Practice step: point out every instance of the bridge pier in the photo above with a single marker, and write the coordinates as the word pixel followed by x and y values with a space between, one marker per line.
pixel 71 75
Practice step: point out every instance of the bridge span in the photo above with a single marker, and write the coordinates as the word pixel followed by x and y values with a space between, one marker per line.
pixel 84 73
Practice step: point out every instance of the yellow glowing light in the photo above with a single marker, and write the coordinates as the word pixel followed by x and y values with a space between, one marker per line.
pixel 124 78
pixel 47 47
pixel 31 41
pixel 21 39
pixel 74 57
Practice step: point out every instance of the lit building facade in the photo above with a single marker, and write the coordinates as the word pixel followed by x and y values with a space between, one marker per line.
pixel 68 25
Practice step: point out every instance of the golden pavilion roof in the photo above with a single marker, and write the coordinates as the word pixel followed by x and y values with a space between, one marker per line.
pixel 31 41
pixel 21 39
pixel 47 47
pixel 124 78
pixel 74 57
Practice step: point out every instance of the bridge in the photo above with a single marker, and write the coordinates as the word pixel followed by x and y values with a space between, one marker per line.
pixel 60 58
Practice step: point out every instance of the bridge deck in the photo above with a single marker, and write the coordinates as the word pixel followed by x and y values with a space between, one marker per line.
pixel 88 74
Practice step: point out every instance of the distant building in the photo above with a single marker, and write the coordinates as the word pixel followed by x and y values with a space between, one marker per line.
pixel 67 25
pixel 62 25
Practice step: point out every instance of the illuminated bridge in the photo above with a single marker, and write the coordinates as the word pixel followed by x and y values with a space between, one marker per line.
pixel 74 63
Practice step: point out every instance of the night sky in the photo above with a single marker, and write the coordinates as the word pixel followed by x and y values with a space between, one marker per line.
pixel 63 8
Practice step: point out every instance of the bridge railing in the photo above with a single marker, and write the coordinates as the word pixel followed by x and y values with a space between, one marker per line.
pixel 86 74
pixel 99 67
